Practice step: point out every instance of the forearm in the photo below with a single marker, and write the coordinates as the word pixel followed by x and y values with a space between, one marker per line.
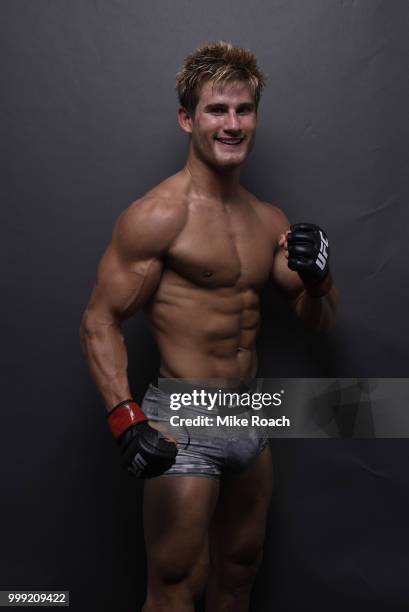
pixel 104 348
pixel 320 312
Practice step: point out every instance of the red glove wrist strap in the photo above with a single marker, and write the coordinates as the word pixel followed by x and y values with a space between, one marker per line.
pixel 123 415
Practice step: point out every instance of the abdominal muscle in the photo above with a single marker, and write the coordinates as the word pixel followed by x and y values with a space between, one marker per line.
pixel 205 332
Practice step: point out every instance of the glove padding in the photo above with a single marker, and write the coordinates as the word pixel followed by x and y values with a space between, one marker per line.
pixel 308 254
pixel 145 452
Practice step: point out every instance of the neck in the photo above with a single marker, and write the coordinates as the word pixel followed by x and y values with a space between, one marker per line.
pixel 211 182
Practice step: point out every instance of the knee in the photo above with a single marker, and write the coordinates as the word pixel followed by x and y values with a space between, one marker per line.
pixel 185 575
pixel 239 570
pixel 197 578
pixel 171 570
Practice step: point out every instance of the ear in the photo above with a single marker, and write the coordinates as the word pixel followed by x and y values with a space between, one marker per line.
pixel 185 120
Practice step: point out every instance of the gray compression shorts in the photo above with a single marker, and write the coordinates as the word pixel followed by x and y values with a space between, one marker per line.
pixel 198 455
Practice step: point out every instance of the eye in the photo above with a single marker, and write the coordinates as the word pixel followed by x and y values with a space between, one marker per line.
pixel 245 110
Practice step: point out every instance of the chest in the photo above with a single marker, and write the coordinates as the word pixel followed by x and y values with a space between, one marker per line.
pixel 220 248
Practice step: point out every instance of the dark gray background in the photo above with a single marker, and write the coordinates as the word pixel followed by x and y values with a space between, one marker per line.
pixel 88 124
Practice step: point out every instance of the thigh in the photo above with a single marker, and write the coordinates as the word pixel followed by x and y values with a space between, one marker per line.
pixel 177 513
pixel 238 524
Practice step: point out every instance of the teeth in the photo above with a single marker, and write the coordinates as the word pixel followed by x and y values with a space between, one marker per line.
pixel 230 141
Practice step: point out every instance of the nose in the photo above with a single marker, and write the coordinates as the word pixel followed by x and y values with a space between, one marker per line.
pixel 232 122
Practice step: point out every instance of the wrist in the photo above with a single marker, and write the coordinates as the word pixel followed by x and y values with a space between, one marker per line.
pixel 321 288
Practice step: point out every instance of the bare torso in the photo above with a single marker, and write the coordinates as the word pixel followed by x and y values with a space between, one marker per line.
pixel 205 311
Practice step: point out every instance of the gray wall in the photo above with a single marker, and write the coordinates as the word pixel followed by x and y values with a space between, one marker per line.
pixel 88 124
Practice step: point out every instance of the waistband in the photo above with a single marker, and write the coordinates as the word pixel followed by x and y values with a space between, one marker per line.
pixel 188 385
pixel 227 398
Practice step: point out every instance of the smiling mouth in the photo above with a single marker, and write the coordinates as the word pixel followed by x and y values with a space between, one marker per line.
pixel 230 141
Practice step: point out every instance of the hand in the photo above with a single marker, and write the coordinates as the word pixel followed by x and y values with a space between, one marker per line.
pixel 146 451
pixel 307 250
pixel 163 429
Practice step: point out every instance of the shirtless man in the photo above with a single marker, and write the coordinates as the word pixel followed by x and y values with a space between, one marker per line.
pixel 194 253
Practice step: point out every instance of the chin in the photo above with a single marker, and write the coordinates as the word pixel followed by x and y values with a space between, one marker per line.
pixel 232 162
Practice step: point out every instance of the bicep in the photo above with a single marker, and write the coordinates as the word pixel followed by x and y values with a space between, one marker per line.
pixel 130 270
pixel 123 286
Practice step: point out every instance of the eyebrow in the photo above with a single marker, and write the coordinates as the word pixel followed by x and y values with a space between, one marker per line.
pixel 215 105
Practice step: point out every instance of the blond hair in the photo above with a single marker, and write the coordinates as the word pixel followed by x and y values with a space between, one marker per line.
pixel 220 63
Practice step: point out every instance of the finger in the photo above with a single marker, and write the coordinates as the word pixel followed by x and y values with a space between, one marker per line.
pixel 282 240
pixel 299 265
pixel 304 227
pixel 299 236
pixel 301 250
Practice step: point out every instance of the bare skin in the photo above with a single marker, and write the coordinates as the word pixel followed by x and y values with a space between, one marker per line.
pixel 193 253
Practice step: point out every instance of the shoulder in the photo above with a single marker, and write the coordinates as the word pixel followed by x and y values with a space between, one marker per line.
pixel 149 225
pixel 271 215
pixel 272 212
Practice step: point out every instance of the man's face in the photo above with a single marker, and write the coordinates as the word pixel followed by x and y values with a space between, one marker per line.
pixel 223 126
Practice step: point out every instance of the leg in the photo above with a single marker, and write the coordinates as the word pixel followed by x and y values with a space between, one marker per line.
pixel 237 534
pixel 177 512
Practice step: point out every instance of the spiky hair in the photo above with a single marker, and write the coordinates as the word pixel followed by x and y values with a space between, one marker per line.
pixel 220 63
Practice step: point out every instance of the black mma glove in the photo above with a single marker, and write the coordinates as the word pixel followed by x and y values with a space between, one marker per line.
pixel 308 254
pixel 145 452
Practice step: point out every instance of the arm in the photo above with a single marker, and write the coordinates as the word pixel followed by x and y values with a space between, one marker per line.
pixel 315 304
pixel 127 277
